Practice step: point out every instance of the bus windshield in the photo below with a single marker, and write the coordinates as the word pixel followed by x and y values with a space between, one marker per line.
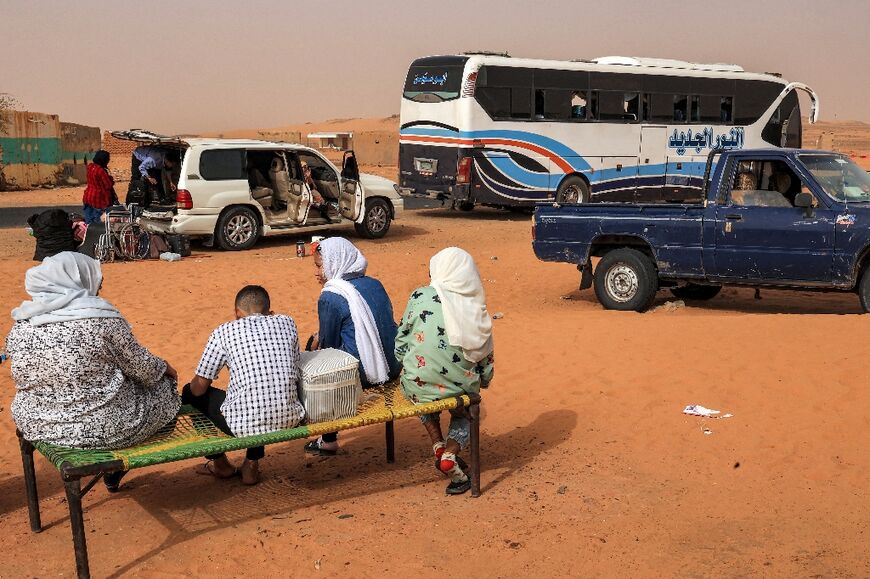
pixel 433 83
pixel 840 177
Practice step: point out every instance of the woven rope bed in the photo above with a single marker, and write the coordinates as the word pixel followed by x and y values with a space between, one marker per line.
pixel 192 435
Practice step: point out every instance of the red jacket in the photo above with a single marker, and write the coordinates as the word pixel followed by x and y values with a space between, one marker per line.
pixel 100 191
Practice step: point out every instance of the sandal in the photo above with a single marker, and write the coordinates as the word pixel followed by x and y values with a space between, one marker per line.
pixel 314 447
pixel 208 469
pixel 112 480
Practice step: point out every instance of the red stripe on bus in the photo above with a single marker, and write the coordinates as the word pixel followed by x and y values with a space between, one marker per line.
pixel 564 165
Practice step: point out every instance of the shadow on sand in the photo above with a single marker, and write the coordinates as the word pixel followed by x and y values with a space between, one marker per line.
pixel 197 505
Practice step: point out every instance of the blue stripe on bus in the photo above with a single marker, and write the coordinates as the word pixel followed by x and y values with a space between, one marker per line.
pixel 569 155
pixel 523 176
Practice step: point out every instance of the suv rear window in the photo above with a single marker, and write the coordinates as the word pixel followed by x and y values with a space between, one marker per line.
pixel 222 164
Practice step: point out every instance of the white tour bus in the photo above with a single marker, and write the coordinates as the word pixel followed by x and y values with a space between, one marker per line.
pixel 481 128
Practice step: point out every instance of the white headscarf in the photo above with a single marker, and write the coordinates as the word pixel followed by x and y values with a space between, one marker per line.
pixel 457 281
pixel 64 288
pixel 342 261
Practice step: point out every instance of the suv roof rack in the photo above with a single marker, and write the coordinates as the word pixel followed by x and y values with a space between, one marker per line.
pixel 486 53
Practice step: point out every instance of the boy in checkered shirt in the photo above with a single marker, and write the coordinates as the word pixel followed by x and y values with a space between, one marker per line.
pixel 261 350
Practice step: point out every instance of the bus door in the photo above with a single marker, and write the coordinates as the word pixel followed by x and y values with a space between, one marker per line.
pixel 652 164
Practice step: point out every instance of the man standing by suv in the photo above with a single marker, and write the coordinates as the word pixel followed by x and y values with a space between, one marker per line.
pixel 151 162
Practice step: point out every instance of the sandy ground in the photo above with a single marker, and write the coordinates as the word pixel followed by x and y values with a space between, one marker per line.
pixel 589 466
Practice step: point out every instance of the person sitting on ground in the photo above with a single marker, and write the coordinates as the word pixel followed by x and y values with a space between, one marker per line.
pixel 100 193
pixel 261 350
pixel 82 379
pixel 53 230
pixel 356 316
pixel 446 349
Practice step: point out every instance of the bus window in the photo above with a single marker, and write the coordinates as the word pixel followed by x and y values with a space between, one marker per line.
pixel 711 109
pixel 661 108
pixel 726 109
pixel 681 108
pixel 579 108
pixel 753 98
pixel 695 113
pixel 496 101
pixel 553 104
pixel 521 103
pixel 433 83
pixel 617 106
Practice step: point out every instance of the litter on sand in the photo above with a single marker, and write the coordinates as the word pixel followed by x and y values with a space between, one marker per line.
pixel 698 410
pixel 169 256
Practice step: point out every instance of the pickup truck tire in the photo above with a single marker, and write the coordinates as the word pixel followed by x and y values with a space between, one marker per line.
pixel 238 228
pixel 864 290
pixel 626 280
pixel 572 189
pixel 696 292
pixel 376 219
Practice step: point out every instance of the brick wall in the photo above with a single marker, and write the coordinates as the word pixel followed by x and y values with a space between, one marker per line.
pixel 120 152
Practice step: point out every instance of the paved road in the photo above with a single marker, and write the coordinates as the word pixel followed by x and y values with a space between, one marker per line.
pixel 11 217
pixel 17 216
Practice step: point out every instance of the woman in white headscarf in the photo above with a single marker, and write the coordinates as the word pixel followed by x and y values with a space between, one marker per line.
pixel 356 316
pixel 445 346
pixel 82 379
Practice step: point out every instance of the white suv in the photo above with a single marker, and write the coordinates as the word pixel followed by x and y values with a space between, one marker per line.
pixel 235 191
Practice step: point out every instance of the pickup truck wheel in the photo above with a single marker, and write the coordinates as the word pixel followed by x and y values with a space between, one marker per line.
pixel 626 280
pixel 376 220
pixel 573 190
pixel 696 292
pixel 864 290
pixel 237 229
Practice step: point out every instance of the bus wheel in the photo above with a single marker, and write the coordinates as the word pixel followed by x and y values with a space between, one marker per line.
pixel 573 190
pixel 465 206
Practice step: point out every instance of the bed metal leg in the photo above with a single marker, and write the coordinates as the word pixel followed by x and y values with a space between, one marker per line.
pixel 77 523
pixel 30 484
pixel 474 413
pixel 391 442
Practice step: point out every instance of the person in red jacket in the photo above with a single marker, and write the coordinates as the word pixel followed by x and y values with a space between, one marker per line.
pixel 100 192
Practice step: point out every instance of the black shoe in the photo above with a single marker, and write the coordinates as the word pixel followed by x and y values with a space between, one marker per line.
pixel 458 488
pixel 112 480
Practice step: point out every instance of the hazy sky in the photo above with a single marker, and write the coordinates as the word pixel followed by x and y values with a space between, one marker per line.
pixel 186 66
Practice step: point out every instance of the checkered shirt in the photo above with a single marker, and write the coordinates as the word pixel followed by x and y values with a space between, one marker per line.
pixel 262 354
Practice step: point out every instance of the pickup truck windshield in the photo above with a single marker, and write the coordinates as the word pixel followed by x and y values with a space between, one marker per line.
pixel 839 176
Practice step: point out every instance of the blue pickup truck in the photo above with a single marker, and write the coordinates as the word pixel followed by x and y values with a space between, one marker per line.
pixel 784 218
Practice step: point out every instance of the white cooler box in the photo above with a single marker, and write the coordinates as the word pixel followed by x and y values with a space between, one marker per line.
pixel 330 387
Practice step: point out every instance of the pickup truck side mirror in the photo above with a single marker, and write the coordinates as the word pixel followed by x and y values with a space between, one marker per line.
pixel 805 201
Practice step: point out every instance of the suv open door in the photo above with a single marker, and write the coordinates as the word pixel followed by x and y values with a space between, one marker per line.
pixel 351 198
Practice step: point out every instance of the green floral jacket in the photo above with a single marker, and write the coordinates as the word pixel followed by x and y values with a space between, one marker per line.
pixel 432 368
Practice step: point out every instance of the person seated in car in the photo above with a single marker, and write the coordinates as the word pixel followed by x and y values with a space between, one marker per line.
pixel 328 209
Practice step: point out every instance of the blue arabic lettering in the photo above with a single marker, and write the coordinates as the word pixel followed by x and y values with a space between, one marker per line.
pixel 682 141
pixel 432 79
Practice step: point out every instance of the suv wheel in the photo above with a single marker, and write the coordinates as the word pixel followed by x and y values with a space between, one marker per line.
pixel 626 280
pixel 237 229
pixel 376 219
